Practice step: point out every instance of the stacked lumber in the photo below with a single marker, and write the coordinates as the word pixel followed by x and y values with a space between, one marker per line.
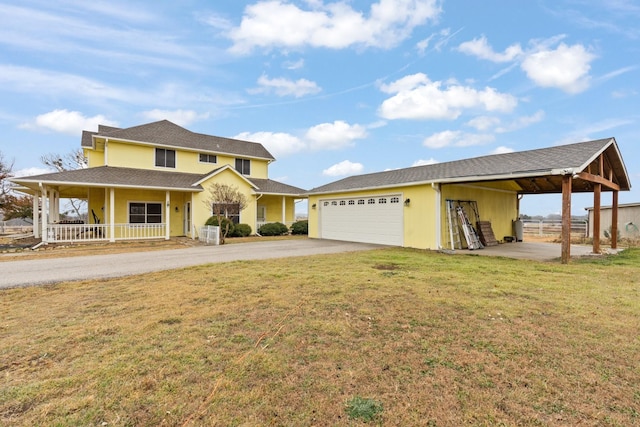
pixel 485 232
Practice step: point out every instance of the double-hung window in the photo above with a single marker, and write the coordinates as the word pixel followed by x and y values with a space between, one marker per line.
pixel 165 158
pixel 145 213
pixel 243 166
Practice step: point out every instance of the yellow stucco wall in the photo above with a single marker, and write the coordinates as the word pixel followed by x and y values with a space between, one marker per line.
pixel 419 216
pixel 123 154
pixel 497 203
pixel 273 205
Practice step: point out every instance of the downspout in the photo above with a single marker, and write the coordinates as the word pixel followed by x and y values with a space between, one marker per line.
pixel 436 187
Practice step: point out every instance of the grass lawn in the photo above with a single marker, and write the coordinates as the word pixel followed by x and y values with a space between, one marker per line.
pixel 386 337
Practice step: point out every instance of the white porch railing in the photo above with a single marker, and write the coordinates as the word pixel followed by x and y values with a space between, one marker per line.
pixel 73 233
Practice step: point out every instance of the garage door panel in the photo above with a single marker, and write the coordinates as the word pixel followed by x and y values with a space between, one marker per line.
pixel 371 219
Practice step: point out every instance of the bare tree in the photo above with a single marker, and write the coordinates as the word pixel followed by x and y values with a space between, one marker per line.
pixel 5 174
pixel 69 161
pixel 224 200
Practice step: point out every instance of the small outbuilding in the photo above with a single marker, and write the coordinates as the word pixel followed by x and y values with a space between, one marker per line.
pixel 420 207
pixel 628 221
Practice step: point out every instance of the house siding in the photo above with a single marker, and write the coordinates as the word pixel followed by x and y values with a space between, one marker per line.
pixel 496 203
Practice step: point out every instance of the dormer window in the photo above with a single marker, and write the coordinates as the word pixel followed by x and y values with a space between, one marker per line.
pixel 243 166
pixel 165 158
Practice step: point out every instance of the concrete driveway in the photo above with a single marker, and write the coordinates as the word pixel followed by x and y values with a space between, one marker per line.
pixel 54 270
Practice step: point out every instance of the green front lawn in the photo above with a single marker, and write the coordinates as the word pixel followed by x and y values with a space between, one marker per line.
pixel 386 337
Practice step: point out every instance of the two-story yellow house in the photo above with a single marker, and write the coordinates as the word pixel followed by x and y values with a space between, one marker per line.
pixel 153 181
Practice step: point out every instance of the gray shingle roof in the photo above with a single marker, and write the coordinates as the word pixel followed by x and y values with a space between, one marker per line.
pixel 142 178
pixel 514 165
pixel 118 177
pixel 165 133
pixel 269 186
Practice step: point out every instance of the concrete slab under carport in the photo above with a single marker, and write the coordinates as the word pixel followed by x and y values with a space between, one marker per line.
pixel 537 251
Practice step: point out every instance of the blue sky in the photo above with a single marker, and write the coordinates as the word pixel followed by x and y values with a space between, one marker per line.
pixel 331 88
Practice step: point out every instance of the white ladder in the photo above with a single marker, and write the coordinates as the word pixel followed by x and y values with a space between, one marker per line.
pixel 473 241
pixel 452 222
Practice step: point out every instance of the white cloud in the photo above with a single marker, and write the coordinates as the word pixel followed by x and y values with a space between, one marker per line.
pixel 566 67
pixel 278 143
pixel 548 62
pixel 30 172
pixel 421 162
pixel 521 122
pixel 69 122
pixel 334 136
pixel 325 136
pixel 480 48
pixel 179 117
pixel 417 97
pixel 277 23
pixel 457 139
pixel 286 87
pixel 343 168
pixel 502 150
pixel 294 65
pixel 483 123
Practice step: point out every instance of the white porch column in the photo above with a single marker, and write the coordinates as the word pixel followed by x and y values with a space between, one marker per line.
pixel 56 205
pixel 45 211
pixel 193 226
pixel 167 215
pixel 112 215
pixel 35 214
pixel 284 210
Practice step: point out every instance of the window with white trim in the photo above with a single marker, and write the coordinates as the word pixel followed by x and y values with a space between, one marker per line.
pixel 382 200
pixel 342 203
pixel 352 202
pixel 208 158
pixel 371 201
pixel 145 213
pixel 227 210
pixel 243 166
pixel 395 200
pixel 165 158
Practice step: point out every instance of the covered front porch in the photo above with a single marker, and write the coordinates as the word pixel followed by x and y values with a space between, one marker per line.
pixel 106 225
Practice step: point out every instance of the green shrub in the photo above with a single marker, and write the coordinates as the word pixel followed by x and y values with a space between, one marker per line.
pixel 300 227
pixel 213 220
pixel 241 230
pixel 273 229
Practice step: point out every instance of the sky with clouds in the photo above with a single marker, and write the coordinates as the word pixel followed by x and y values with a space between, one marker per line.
pixel 331 88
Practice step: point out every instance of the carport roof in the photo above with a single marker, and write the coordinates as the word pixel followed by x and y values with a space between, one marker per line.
pixel 534 171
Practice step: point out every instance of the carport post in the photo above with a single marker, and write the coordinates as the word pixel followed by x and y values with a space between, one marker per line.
pixel 566 218
pixel 597 190
pixel 614 220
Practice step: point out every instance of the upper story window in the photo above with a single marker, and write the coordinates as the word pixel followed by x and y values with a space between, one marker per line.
pixel 208 158
pixel 165 158
pixel 243 166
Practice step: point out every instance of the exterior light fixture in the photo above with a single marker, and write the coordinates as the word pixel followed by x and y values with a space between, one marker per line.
pixel 407 202
pixel 313 206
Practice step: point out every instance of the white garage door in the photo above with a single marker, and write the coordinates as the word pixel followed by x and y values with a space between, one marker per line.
pixel 371 219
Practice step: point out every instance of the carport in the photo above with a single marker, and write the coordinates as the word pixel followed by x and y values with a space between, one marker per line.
pixel 410 207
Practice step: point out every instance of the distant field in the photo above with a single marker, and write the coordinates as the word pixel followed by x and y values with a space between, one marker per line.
pixel 387 337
